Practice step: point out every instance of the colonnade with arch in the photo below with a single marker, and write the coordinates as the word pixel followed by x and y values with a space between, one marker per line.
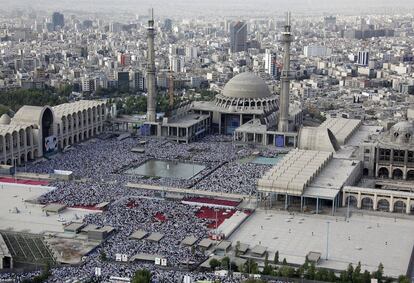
pixel 80 125
pixel 18 145
pixel 396 173
pixel 400 202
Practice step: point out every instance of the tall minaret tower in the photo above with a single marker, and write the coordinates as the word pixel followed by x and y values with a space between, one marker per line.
pixel 152 95
pixel 285 78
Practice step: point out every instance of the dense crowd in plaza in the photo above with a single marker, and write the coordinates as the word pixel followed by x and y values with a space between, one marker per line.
pixel 110 268
pixel 175 222
pixel 129 214
pixel 98 166
pixel 234 177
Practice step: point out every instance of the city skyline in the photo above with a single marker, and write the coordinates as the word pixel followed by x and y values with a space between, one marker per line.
pixel 223 8
pixel 207 141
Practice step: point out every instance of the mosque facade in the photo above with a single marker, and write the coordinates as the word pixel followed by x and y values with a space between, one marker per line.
pixel 36 131
pixel 390 155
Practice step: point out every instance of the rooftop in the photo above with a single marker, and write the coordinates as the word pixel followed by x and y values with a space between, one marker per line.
pixel 294 172
pixel 246 85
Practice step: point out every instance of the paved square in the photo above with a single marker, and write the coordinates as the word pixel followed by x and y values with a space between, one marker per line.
pixel 18 215
pixel 368 239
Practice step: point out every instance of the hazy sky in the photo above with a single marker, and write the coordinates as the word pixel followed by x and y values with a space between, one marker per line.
pixel 221 7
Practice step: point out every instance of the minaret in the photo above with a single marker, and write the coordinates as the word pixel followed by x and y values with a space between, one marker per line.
pixel 285 78
pixel 152 95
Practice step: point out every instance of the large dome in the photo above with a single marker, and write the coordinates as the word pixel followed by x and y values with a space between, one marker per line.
pixel 5 119
pixel 246 85
pixel 403 130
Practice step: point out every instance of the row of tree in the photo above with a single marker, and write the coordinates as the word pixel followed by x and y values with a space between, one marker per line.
pixel 307 271
pixel 14 99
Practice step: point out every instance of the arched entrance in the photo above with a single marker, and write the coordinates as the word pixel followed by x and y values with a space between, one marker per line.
pixel 397 174
pixel 365 172
pixel 352 200
pixel 367 203
pixel 383 205
pixel 47 130
pixel 399 206
pixel 410 175
pixel 383 173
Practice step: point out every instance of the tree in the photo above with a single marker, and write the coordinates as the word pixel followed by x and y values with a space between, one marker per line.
pixel 284 262
pixel 251 280
pixel 343 277
pixel 322 274
pixel 300 272
pixel 225 262
pixel 403 279
pixel 266 261
pixel 306 264
pixel 349 272
pixel 65 90
pixel 3 109
pixel 332 277
pixel 267 270
pixel 276 258
pixel 103 256
pixel 233 267
pixel 366 277
pixel 356 276
pixel 142 276
pixel 287 271
pixel 214 263
pixel 310 272
pixel 14 99
pixel 379 274
pixel 251 267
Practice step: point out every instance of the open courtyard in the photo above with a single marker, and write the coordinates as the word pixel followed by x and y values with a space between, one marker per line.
pixel 19 215
pixel 366 239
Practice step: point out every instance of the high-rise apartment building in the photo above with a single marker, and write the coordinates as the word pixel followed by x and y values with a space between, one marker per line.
pixel 123 81
pixel 177 64
pixel 58 20
pixel 363 58
pixel 270 62
pixel 316 51
pixel 167 25
pixel 238 37
pixel 191 52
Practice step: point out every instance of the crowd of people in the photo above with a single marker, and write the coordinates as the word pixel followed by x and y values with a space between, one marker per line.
pixel 128 215
pixel 175 222
pixel 238 178
pixel 110 268
pixel 99 169
pixel 102 163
